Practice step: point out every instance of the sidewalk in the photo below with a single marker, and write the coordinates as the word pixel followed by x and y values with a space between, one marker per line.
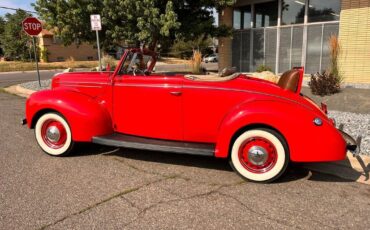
pixel 349 100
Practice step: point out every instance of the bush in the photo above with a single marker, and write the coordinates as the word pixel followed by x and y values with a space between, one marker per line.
pixel 262 68
pixel 196 62
pixel 324 84
pixel 329 81
pixel 107 59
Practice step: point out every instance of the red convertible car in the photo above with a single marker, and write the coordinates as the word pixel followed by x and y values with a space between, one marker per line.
pixel 258 125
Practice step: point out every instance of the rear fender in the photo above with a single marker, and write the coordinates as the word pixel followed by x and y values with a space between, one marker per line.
pixel 306 141
pixel 86 116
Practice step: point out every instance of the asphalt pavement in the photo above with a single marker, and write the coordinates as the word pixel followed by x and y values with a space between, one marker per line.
pixel 107 188
pixel 13 78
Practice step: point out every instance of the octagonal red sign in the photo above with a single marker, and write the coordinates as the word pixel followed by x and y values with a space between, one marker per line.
pixel 32 26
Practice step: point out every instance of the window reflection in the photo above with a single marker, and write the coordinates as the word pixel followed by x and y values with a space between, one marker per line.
pixel 327 10
pixel 292 12
pixel 266 14
pixel 237 19
pixel 247 17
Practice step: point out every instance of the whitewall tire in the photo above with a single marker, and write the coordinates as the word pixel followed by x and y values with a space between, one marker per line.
pixel 259 155
pixel 53 134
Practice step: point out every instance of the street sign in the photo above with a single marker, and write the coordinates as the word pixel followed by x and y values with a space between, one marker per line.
pixel 32 26
pixel 96 25
pixel 95 22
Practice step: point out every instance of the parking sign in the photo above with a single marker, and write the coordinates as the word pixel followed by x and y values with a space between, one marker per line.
pixel 95 22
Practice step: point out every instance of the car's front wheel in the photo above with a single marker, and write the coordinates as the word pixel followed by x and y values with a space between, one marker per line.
pixel 53 134
pixel 259 155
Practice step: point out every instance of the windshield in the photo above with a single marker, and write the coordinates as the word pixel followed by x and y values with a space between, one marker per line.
pixel 135 62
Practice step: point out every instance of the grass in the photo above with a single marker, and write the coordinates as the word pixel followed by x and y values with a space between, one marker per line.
pixel 9 66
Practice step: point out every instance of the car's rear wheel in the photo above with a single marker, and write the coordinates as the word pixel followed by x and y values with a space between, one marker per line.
pixel 259 155
pixel 53 134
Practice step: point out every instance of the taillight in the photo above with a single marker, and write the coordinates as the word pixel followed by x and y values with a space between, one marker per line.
pixel 324 108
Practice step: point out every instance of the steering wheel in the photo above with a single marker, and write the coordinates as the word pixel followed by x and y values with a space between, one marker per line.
pixel 138 71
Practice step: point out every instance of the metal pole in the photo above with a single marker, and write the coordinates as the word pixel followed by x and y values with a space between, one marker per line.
pixel 97 41
pixel 321 47
pixel 37 64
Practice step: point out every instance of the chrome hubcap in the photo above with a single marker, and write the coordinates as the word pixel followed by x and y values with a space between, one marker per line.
pixel 53 134
pixel 257 155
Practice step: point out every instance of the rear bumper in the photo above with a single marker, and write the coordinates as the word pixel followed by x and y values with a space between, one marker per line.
pixel 351 143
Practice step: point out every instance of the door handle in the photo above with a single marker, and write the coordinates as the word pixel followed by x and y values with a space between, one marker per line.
pixel 176 93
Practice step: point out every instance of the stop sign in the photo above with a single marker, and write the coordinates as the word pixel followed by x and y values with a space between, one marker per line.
pixel 32 26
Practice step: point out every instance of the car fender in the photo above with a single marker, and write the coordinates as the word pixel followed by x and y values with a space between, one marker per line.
pixel 307 142
pixel 86 116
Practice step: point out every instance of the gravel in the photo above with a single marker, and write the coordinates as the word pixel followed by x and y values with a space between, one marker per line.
pixel 34 85
pixel 354 124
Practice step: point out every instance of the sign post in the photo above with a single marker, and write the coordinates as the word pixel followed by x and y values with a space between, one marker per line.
pixel 96 25
pixel 32 26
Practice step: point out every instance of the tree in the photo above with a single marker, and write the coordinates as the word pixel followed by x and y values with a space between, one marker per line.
pixel 184 49
pixel 2 23
pixel 131 21
pixel 13 40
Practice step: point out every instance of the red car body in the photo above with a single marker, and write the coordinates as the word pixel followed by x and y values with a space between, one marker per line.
pixel 175 108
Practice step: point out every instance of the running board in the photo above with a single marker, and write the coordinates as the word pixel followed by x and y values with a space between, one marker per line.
pixel 134 142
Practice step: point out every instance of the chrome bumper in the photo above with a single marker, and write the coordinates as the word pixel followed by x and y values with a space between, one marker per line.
pixel 352 145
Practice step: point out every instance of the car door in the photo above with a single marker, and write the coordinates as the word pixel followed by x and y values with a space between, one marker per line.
pixel 148 106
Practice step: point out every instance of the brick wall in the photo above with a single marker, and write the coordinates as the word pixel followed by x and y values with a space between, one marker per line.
pixel 58 52
pixel 354 37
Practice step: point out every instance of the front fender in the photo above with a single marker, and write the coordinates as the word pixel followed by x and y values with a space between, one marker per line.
pixel 307 142
pixel 86 116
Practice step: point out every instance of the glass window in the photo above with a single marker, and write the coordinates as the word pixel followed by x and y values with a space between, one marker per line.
pixel 292 11
pixel 327 10
pixel 247 17
pixel 237 19
pixel 135 62
pixel 266 14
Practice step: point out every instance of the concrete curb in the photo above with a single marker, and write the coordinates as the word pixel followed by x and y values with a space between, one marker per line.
pixel 352 168
pixel 19 90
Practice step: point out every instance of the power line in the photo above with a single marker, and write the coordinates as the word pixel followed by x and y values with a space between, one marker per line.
pixel 9 8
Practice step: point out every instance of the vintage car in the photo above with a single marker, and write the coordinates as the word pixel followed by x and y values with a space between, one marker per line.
pixel 258 125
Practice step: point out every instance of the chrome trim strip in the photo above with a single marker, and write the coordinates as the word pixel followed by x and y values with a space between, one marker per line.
pixel 243 91
pixel 84 86
pixel 161 85
pixel 79 82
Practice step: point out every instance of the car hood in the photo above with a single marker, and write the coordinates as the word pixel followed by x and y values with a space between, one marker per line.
pixel 89 83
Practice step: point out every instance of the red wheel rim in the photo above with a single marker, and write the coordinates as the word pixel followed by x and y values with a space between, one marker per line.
pixel 53 134
pixel 257 155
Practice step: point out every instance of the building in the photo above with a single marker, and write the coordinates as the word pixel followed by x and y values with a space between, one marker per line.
pixel 56 51
pixel 282 34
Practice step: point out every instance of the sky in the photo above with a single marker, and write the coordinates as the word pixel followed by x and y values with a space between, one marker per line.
pixel 23 4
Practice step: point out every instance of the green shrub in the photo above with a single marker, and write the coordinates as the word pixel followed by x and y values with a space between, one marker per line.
pixel 262 68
